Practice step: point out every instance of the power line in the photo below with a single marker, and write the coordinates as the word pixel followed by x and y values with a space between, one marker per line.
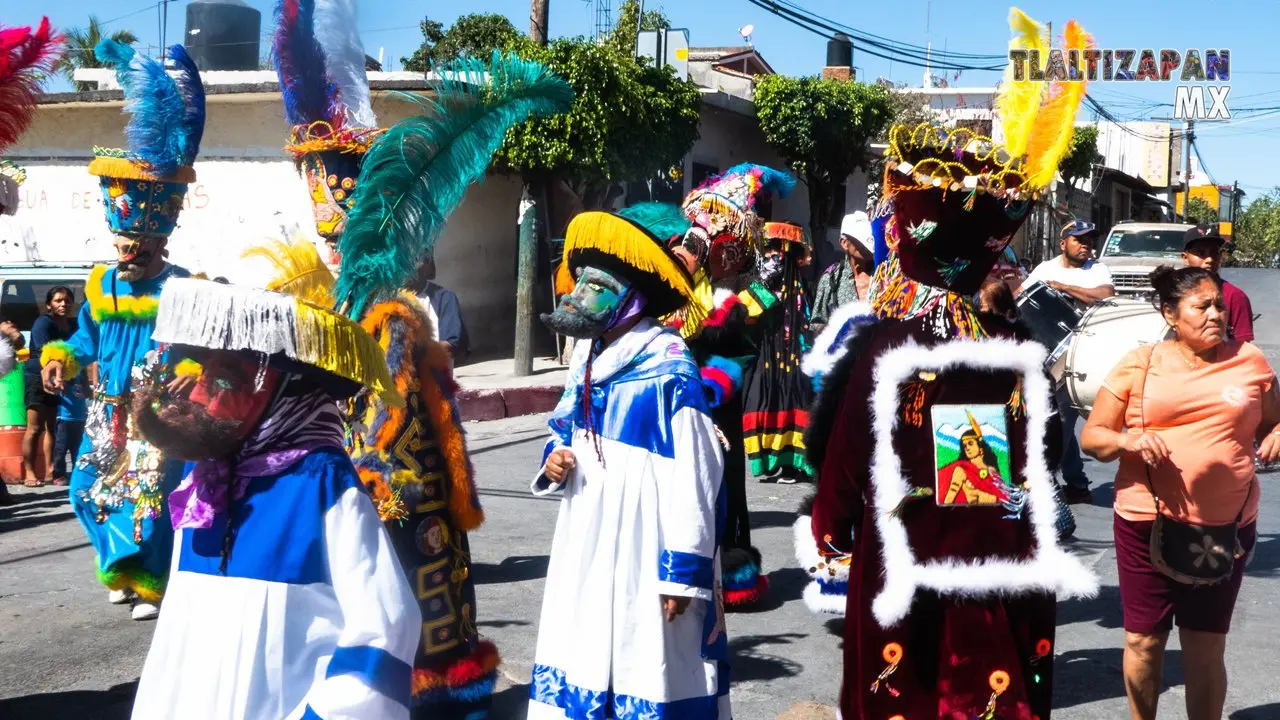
pixel 826 30
pixel 128 15
pixel 908 48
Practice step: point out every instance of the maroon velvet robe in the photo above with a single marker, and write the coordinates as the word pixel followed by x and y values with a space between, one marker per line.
pixel 948 647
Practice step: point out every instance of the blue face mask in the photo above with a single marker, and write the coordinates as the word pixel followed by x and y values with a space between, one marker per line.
pixel 600 301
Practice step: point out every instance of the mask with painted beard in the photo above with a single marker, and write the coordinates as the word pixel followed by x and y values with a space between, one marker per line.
pixel 213 420
pixel 134 256
pixel 598 302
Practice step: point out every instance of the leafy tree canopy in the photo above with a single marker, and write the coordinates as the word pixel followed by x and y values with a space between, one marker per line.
pixel 476 35
pixel 823 129
pixel 1257 232
pixel 1082 156
pixel 1200 212
pixel 80 45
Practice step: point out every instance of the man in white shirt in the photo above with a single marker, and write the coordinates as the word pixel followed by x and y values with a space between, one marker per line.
pixel 1076 274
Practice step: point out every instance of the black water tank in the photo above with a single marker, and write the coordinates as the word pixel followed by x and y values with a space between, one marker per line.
pixel 223 34
pixel 839 51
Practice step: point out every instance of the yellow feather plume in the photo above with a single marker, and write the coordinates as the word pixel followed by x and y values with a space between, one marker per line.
pixel 1019 100
pixel 297 270
pixel 1055 123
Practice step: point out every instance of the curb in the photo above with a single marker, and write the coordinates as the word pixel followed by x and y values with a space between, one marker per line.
pixel 484 405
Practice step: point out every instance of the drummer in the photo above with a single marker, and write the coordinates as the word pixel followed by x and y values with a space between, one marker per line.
pixel 1076 274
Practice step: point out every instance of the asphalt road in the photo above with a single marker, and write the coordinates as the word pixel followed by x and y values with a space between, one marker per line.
pixel 66 654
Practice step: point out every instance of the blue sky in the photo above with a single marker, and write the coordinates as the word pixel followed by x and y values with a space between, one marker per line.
pixel 1245 150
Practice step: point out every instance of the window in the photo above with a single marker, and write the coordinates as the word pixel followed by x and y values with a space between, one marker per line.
pixel 700 173
pixel 22 301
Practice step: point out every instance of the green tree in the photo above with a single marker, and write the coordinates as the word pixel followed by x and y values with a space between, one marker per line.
pixel 628 122
pixel 1082 156
pixel 80 45
pixel 623 37
pixel 1200 212
pixel 823 129
pixel 476 35
pixel 1257 232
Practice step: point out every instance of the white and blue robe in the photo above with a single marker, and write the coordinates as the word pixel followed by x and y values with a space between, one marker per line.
pixel 639 520
pixel 313 620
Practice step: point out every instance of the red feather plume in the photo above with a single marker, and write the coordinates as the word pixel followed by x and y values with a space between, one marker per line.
pixel 25 58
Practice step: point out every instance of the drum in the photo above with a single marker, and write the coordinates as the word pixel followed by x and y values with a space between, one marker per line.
pixel 1050 316
pixel 1108 331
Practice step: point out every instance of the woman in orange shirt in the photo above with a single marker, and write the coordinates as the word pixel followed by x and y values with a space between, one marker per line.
pixel 1207 399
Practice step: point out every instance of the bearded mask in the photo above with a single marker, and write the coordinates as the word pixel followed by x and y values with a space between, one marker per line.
pixel 600 301
pixel 229 397
pixel 135 254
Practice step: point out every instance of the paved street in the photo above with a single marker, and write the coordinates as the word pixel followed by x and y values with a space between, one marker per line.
pixel 66 653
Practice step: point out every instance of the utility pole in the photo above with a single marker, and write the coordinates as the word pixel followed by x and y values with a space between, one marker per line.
pixel 538 13
pixel 531 194
pixel 1186 171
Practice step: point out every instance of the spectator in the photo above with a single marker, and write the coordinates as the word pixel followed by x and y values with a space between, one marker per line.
pixel 57 323
pixel 1206 399
pixel 1075 274
pixel 995 297
pixel 446 314
pixel 849 279
pixel 69 429
pixel 1203 249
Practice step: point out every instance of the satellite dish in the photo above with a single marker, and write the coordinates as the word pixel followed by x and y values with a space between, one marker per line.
pixel 745 31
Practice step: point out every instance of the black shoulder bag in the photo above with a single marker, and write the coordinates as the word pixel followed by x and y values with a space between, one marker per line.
pixel 1187 553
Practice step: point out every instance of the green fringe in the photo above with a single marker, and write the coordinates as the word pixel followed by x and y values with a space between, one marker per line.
pixel 130 575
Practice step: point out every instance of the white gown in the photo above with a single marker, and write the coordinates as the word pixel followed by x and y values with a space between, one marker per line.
pixel 313 620
pixel 643 523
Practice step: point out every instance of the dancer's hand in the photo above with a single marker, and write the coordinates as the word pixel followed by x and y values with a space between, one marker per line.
pixel 1149 446
pixel 674 606
pixel 51 377
pixel 181 385
pixel 559 463
pixel 11 332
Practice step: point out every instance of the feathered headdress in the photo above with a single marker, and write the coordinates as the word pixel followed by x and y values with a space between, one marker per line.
pixel 143 186
pixel 724 209
pixel 26 57
pixel 958 197
pixel 166 117
pixel 320 63
pixel 416 173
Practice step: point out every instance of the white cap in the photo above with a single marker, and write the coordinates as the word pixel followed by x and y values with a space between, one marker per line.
pixel 857 225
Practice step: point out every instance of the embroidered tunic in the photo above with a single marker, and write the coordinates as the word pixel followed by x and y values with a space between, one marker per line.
pixel 118 487
pixel 414 462
pixel 312 620
pixel 640 518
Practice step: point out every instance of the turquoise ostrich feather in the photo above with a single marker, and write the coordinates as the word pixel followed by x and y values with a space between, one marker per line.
pixel 415 175
pixel 165 123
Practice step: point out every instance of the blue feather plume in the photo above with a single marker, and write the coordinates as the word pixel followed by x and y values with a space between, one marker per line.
pixel 193 94
pixel 300 63
pixel 778 182
pixel 417 172
pixel 157 110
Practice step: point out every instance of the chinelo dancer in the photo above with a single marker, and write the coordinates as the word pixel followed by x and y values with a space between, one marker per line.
pixel 119 485
pixel 285 599
pixel 930 434
pixel 381 199
pixel 631 623
pixel 733 289
pixel 27 57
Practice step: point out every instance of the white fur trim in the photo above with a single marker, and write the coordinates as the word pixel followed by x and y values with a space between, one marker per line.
pixel 807 553
pixel 826 351
pixel 1050 569
pixel 720 295
pixel 823 604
